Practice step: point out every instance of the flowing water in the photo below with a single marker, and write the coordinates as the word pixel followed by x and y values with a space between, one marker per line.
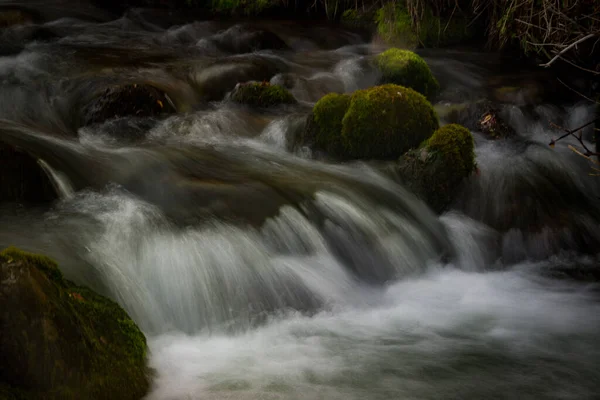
pixel 258 270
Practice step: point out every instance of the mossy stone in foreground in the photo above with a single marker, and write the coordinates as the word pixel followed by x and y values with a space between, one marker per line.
pixel 406 68
pixel 62 341
pixel 385 121
pixel 436 169
pixel 262 95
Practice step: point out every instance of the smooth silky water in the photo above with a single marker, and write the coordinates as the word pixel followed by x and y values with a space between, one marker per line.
pixel 258 272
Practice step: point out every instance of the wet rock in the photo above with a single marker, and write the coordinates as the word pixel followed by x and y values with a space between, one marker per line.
pixel 62 341
pixel 22 180
pixel 382 122
pixel 241 39
pixel 261 95
pixel 214 81
pixel 436 169
pixel 483 116
pixel 127 100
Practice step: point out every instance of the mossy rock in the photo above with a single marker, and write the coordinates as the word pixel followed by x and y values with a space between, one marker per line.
pixel 435 170
pixel 385 121
pixel 406 68
pixel 137 100
pixel 62 341
pixel 324 126
pixel 262 95
pixel 381 122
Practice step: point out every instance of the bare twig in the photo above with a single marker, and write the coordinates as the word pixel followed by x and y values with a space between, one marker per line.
pixel 569 47
pixel 588 152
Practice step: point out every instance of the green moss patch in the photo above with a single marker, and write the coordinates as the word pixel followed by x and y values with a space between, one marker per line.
pixel 262 95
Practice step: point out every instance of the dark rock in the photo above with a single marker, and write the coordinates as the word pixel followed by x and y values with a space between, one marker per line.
pixel 11 17
pixel 62 341
pixel 127 100
pixel 241 39
pixel 22 179
pixel 214 81
pixel 483 116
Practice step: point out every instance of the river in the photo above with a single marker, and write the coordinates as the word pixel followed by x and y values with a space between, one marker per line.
pixel 260 271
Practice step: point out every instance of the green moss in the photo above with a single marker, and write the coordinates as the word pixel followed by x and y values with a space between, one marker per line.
pixel 406 68
pixel 439 32
pixel 397 28
pixel 394 26
pixel 385 121
pixel 71 342
pixel 436 169
pixel 45 264
pixel 325 124
pixel 455 144
pixel 262 95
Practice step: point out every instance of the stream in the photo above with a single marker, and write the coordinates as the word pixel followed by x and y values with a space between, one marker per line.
pixel 258 270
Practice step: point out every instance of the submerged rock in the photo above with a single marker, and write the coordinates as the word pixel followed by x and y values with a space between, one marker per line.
pixel 406 68
pixel 62 341
pixel 382 122
pixel 435 170
pixel 261 95
pixel 127 100
pixel 22 180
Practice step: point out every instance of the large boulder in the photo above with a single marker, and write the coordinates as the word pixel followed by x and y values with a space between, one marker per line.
pixel 261 95
pixel 436 169
pixel 62 341
pixel 382 122
pixel 138 100
pixel 406 68
pixel 22 180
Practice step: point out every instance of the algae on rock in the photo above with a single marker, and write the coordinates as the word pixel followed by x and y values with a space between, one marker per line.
pixel 62 341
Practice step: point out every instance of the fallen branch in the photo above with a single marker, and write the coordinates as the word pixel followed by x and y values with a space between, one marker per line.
pixel 569 47
pixel 588 153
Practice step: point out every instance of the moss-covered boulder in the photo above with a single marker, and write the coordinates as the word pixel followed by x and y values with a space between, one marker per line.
pixel 324 126
pixel 62 341
pixel 435 170
pixel 386 121
pixel 22 180
pixel 261 95
pixel 138 100
pixel 381 122
pixel 406 68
